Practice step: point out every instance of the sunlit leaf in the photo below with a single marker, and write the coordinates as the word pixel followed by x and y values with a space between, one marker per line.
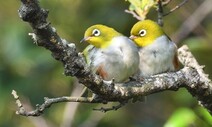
pixel 182 117
pixel 204 115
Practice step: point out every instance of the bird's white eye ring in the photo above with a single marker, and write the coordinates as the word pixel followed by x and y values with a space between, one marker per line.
pixel 142 33
pixel 96 32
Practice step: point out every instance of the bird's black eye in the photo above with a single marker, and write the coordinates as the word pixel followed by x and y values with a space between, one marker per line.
pixel 96 32
pixel 142 33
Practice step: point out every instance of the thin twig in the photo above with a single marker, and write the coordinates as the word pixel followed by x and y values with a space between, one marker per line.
pixel 165 3
pixel 48 102
pixel 103 109
pixel 134 14
pixel 176 7
pixel 40 121
pixel 18 102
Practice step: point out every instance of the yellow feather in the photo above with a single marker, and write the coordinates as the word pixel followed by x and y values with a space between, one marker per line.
pixel 153 31
pixel 104 38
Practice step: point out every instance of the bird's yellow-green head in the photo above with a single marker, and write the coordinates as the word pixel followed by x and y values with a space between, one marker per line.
pixel 143 33
pixel 100 35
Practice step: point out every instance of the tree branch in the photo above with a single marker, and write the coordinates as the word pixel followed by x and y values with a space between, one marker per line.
pixel 202 89
pixel 176 7
pixel 191 76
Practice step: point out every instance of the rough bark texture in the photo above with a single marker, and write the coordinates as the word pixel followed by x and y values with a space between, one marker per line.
pixel 190 77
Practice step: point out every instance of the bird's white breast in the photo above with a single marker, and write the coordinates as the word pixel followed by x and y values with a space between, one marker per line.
pixel 157 57
pixel 120 59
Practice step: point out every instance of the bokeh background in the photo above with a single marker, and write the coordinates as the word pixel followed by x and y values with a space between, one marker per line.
pixel 34 74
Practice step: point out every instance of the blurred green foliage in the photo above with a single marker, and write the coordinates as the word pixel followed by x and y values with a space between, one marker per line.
pixel 34 74
pixel 185 117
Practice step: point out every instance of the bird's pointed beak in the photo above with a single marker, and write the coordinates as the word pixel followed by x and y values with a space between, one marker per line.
pixel 85 39
pixel 132 37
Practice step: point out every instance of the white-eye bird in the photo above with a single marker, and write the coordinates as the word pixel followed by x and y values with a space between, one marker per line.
pixel 110 54
pixel 157 52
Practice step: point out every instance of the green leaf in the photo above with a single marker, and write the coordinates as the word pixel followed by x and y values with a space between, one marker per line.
pixel 182 117
pixel 132 7
pixel 205 115
pixel 147 4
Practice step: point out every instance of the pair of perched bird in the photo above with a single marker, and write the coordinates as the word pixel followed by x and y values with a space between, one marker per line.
pixel 146 52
